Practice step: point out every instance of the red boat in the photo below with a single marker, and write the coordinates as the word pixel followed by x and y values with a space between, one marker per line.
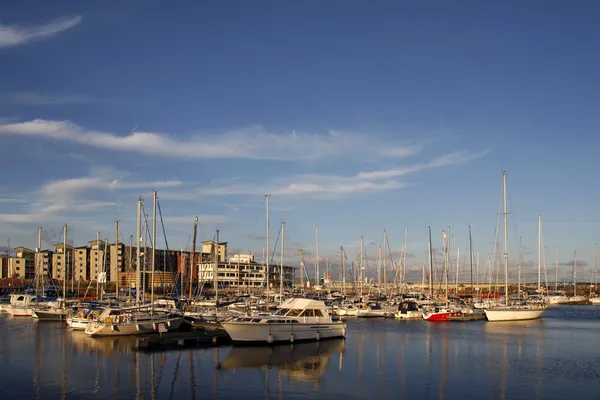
pixel 440 314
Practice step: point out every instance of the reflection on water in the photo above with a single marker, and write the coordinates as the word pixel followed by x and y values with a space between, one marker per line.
pixel 542 359
pixel 299 361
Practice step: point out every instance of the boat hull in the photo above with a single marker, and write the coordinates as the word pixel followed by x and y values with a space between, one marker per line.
pixel 257 332
pixel 441 316
pixel 50 315
pixel 513 314
pixel 78 324
pixel 373 313
pixel 409 315
pixel 18 311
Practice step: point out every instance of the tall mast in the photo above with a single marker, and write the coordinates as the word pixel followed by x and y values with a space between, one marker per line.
pixel 138 277
pixel 384 263
pixel 192 261
pixel 98 279
pixel 154 200
pixel 594 271
pixel 362 257
pixel 216 271
pixel 430 266
pixel 317 269
pixel 520 264
pixel 444 237
pixel 471 256
pixel 130 266
pixel 38 263
pixel 575 272
pixel 267 249
pixel 505 239
pixel 343 270
pixel 281 266
pixel 403 278
pixel 65 266
pixel 539 255
pixel 118 267
pixel 302 270
pixel 556 272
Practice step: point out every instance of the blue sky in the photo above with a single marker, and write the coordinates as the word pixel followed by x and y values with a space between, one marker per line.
pixel 354 116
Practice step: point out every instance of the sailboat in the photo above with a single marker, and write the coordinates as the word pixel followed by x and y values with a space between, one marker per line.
pixel 517 309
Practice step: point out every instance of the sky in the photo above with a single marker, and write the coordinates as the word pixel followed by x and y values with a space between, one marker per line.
pixel 354 116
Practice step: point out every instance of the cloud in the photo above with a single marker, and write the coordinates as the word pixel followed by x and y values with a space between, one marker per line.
pixel 86 194
pixel 47 99
pixel 251 143
pixel 325 186
pixel 455 158
pixel 14 35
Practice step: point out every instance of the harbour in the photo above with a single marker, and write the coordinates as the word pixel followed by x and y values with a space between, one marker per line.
pixel 548 358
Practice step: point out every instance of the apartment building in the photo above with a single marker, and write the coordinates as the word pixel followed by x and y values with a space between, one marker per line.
pixel 62 262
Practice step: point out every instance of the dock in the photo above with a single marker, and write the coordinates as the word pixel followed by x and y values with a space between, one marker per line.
pixel 195 337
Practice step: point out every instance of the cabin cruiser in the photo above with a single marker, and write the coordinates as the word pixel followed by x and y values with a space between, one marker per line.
pixel 556 298
pixel 408 309
pixel 295 319
pixel 374 310
pixel 21 305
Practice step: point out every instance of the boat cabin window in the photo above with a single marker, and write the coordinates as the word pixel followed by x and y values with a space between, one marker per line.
pixel 20 298
pixel 312 313
pixel 294 312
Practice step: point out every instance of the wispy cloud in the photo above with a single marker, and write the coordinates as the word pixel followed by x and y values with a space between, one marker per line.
pixel 14 35
pixel 328 186
pixel 455 158
pixel 47 99
pixel 86 194
pixel 250 143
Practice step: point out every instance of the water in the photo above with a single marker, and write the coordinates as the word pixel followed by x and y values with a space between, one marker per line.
pixel 556 357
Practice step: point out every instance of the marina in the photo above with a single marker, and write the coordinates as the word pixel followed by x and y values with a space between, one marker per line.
pixel 548 358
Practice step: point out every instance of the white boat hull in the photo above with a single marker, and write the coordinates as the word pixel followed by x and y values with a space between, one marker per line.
pixel 283 332
pixel 595 301
pixel 409 315
pixel 367 313
pixel 514 314
pixel 132 328
pixel 78 324
pixel 19 311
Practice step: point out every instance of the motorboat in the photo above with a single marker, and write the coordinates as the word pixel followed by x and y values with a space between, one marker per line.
pixel 374 310
pixel 296 319
pixel 409 309
pixel 21 305
pixel 555 298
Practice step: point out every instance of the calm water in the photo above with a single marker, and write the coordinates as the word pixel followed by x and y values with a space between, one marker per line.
pixel 557 357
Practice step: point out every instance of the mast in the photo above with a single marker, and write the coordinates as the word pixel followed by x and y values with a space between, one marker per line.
pixel 317 269
pixel 343 268
pixel 471 256
pixel 65 266
pixel 430 266
pixel 193 260
pixel 539 255
pixel 38 263
pixel 362 257
pixel 117 256
pixel 444 236
pixel 575 272
pixel 138 277
pixel 384 263
pixel 594 271
pixel 267 249
pixel 404 258
pixel 556 272
pixel 154 200
pixel 520 264
pixel 216 271
pixel 130 266
pixel 505 239
pixel 281 266
pixel 302 270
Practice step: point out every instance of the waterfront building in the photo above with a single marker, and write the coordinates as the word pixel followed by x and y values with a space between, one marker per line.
pixel 22 265
pixel 4 261
pixel 62 262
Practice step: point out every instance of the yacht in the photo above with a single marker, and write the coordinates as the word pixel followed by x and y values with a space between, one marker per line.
pixel 80 321
pixel 120 322
pixel 556 298
pixel 295 319
pixel 374 310
pixel 516 310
